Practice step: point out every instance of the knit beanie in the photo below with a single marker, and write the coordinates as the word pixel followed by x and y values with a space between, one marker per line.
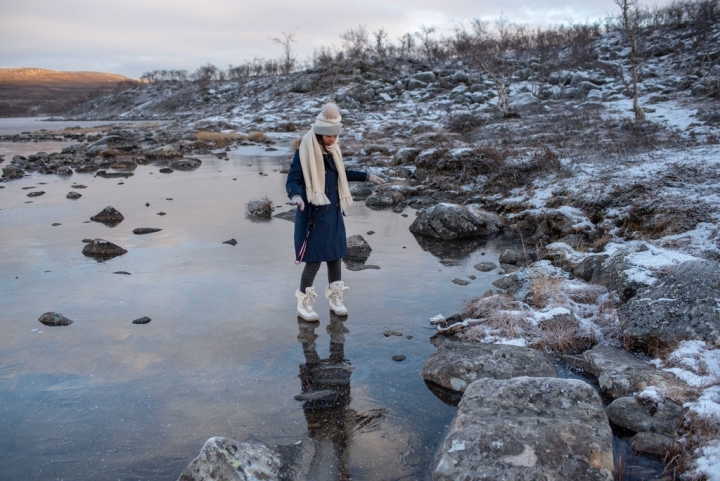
pixel 328 122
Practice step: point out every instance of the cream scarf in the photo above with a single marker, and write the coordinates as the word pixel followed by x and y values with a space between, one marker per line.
pixel 313 168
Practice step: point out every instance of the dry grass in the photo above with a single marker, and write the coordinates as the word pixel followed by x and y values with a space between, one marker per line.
pixel 696 433
pixel 561 336
pixel 545 290
pixel 257 136
pixel 484 306
pixel 110 152
pixel 221 139
pixel 585 293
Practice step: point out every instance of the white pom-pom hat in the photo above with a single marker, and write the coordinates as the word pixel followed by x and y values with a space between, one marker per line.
pixel 328 122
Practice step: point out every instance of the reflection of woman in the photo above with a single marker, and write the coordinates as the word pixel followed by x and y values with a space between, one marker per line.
pixel 318 180
pixel 325 385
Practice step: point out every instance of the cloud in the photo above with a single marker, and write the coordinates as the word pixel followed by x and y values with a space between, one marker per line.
pixel 133 36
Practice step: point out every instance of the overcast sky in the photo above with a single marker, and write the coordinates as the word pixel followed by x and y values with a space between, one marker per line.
pixel 130 37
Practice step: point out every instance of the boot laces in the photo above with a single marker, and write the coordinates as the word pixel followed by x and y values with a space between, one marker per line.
pixel 336 296
pixel 309 300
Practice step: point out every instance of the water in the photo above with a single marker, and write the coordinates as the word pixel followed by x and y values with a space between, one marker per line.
pixel 16 125
pixel 107 399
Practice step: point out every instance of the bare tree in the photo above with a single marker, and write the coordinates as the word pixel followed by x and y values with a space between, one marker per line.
pixel 381 46
pixel 356 43
pixel 407 45
pixel 428 44
pixel 631 18
pixel 288 62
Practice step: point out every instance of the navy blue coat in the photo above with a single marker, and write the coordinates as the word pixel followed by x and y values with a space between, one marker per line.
pixel 327 240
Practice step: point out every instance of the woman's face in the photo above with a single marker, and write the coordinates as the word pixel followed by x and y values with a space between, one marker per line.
pixel 328 140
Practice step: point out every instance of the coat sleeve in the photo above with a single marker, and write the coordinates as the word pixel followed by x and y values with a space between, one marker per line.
pixel 356 175
pixel 295 184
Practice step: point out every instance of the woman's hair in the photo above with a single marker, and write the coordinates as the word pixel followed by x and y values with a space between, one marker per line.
pixel 322 144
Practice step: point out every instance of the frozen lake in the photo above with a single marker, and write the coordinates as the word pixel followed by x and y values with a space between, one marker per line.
pixel 108 399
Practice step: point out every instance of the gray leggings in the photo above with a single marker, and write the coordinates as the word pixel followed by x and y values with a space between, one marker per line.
pixel 311 269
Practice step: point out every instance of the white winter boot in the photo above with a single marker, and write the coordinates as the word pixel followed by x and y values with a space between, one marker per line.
pixel 305 304
pixel 334 293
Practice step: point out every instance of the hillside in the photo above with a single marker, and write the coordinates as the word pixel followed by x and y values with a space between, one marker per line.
pixel 35 91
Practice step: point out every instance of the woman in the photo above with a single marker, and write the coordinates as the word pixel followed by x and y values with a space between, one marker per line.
pixel 318 185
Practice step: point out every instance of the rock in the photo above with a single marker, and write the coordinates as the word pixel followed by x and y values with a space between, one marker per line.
pixel 358 249
pixel 512 256
pixel 186 164
pixel 427 77
pixel 615 272
pixel 224 459
pixel 510 283
pixel 325 396
pixel 102 249
pixel 454 365
pixel 452 221
pixel 78 186
pixel 620 373
pixel 166 170
pixel 527 429
pixel 36 193
pixel 683 305
pixel 380 199
pixel 12 172
pixel 260 208
pixel 73 195
pixel 124 165
pixel 145 230
pixel 232 242
pixel 460 282
pixel 360 191
pixel 142 320
pixel 652 443
pixel 287 215
pixel 112 142
pixel 587 267
pixel 123 273
pixel 389 333
pixel 485 266
pixel 414 84
pixel 113 175
pixel 164 152
pixel 108 216
pixel 398 358
pixel 54 319
pixel 55 224
pixel 638 417
pixel 64 170
pixel 161 213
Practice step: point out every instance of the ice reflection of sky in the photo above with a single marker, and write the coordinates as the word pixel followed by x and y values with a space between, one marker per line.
pixel 106 398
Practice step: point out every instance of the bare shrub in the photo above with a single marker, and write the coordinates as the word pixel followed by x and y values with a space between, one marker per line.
pixel 463 123
pixel 514 174
pixel 260 208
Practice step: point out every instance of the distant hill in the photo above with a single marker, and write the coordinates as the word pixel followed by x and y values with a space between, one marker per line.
pixel 36 91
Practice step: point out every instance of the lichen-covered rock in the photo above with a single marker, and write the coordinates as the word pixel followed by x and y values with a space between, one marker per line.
pixel 102 249
pixel 652 443
pixel 54 319
pixel 638 417
pixel 527 428
pixel 452 221
pixel 683 305
pixel 620 373
pixel 454 365
pixel 223 459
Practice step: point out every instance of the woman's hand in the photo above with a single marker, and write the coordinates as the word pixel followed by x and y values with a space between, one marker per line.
pixel 297 200
pixel 375 179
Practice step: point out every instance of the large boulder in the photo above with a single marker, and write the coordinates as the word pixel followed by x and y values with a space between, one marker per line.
pixel 683 305
pixel 452 221
pixel 620 373
pixel 527 428
pixel 454 365
pixel 12 172
pixel 223 459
